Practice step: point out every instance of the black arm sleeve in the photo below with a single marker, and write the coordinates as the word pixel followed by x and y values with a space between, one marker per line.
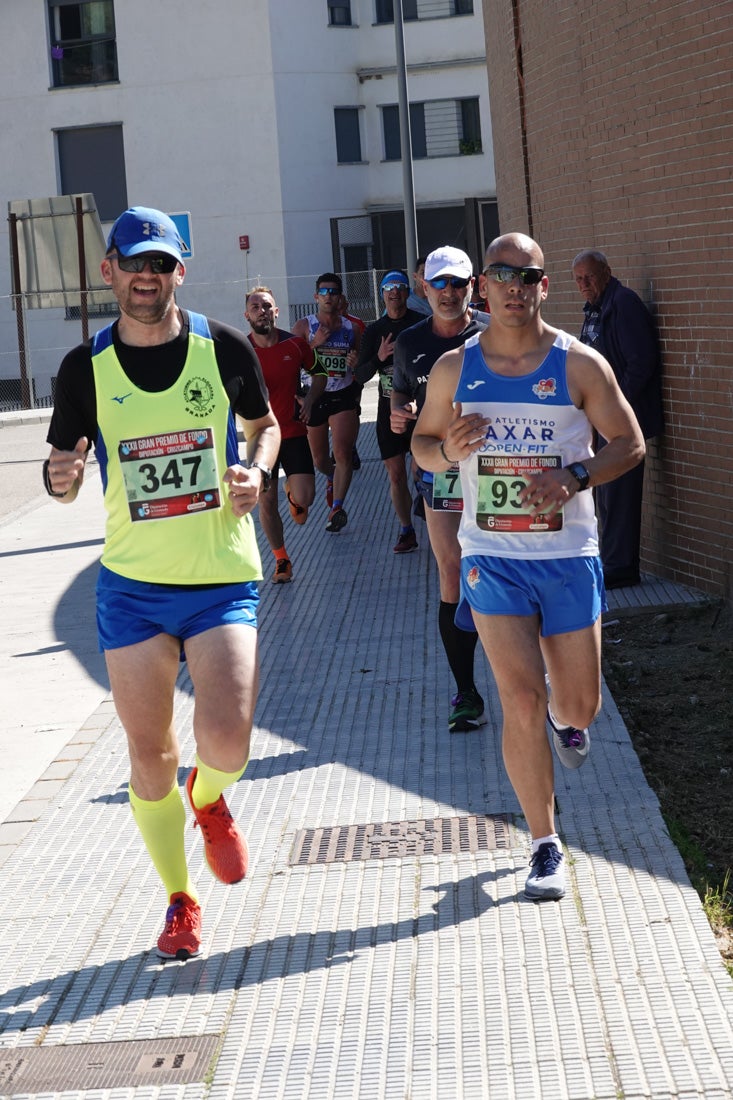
pixel 75 402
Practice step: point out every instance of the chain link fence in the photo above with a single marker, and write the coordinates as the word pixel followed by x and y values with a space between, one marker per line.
pixel 34 341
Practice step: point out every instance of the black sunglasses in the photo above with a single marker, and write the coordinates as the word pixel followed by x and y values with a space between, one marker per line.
pixel 160 263
pixel 504 273
pixel 442 281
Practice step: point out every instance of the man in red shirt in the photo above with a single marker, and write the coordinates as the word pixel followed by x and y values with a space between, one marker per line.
pixel 282 356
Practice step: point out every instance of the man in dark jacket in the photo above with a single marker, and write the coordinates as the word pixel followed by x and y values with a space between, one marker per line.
pixel 619 326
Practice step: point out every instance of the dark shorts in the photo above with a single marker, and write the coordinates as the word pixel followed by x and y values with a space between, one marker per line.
pixel 294 456
pixel 130 611
pixel 390 443
pixel 424 487
pixel 336 401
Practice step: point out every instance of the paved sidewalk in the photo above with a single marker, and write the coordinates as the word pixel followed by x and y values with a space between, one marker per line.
pixel 380 948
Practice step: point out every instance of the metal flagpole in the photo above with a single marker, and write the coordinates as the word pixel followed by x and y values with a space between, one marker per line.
pixel 408 186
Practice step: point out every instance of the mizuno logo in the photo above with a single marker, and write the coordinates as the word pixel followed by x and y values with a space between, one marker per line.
pixel 475 385
pixel 419 357
pixel 124 397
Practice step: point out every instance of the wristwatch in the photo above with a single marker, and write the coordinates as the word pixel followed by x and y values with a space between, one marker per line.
pixel 266 474
pixel 47 482
pixel 580 473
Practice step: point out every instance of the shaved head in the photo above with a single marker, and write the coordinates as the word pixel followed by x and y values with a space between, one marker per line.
pixel 524 249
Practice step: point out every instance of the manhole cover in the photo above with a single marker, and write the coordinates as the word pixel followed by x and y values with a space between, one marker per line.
pixel 390 839
pixel 106 1065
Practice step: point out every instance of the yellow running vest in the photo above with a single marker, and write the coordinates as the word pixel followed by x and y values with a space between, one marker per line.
pixel 162 458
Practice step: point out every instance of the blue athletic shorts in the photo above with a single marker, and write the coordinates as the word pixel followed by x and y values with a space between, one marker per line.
pixel 132 611
pixel 567 593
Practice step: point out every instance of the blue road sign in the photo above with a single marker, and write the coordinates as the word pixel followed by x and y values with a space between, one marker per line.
pixel 183 225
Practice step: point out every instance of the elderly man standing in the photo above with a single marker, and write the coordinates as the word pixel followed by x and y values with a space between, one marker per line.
pixel 619 326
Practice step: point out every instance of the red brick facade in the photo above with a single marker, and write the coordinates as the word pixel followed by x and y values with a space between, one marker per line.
pixel 613 129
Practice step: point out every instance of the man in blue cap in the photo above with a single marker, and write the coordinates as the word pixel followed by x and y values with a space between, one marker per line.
pixel 158 393
pixel 376 355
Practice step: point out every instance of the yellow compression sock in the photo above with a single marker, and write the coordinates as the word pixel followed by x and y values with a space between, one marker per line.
pixel 210 783
pixel 161 826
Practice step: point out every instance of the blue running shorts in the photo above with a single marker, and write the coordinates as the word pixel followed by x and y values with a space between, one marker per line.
pixel 567 593
pixel 132 611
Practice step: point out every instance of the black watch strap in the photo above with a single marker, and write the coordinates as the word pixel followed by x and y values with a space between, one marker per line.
pixel 266 474
pixel 47 482
pixel 580 473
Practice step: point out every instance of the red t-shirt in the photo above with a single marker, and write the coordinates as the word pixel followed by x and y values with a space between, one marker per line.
pixel 281 365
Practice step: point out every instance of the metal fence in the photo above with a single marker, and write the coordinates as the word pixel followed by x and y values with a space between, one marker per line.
pixel 34 341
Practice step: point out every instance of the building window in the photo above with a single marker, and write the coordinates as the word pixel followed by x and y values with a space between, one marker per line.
pixel 83 45
pixel 391 128
pixel 348 135
pixel 422 9
pixel 385 10
pixel 438 128
pixel 92 158
pixel 339 13
pixel 470 140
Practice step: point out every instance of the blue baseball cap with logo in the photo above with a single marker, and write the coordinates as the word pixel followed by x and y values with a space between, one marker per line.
pixel 142 229
pixel 395 277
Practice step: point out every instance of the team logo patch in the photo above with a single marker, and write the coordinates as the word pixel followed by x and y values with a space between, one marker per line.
pixel 198 394
pixel 472 577
pixel 546 387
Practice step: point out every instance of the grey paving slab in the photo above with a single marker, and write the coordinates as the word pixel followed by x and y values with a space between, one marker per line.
pixel 423 976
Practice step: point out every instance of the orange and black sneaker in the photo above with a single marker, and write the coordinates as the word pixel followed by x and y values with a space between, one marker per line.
pixel 297 511
pixel 337 520
pixel 283 571
pixel 181 937
pixel 224 846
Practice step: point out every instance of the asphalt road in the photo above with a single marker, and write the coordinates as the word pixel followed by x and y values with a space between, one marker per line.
pixel 23 448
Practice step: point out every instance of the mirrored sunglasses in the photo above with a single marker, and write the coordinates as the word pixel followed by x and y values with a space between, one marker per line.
pixel 394 286
pixel 324 290
pixel 443 280
pixel 160 263
pixel 504 273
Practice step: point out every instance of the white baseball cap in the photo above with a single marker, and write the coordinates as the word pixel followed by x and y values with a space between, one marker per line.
pixel 448 261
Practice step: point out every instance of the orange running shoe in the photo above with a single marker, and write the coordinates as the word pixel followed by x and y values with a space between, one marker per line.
pixel 283 571
pixel 224 846
pixel 297 511
pixel 181 937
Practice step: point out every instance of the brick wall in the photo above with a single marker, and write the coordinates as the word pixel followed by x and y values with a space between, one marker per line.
pixel 627 146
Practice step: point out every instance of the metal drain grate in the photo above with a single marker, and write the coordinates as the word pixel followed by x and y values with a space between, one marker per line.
pixel 106 1065
pixel 395 839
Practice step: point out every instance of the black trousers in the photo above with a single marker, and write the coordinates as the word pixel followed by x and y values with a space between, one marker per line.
pixel 618 504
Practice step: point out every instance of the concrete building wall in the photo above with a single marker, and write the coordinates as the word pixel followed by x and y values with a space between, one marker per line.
pixel 613 128
pixel 226 110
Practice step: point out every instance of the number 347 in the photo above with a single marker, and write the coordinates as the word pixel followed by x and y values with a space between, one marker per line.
pixel 172 476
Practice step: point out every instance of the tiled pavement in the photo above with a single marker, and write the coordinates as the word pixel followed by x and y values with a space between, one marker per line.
pixel 395 961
